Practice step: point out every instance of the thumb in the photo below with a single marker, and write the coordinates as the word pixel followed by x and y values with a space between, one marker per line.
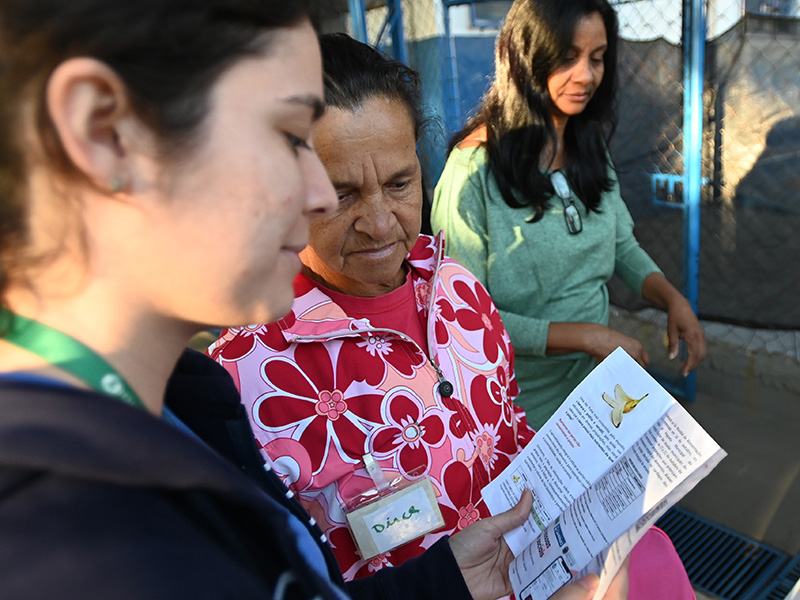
pixel 516 515
pixel 673 339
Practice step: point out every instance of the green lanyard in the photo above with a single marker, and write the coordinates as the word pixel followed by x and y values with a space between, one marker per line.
pixel 67 353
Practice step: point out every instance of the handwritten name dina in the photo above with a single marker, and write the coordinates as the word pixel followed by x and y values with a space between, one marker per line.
pixel 379 528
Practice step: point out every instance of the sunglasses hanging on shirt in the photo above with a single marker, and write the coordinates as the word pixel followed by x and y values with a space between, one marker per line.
pixel 571 214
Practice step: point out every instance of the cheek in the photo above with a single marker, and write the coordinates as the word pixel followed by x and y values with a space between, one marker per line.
pixel 327 237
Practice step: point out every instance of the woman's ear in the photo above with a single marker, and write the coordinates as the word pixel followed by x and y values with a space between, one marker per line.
pixel 88 104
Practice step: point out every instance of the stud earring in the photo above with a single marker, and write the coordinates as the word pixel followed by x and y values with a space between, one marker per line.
pixel 116 184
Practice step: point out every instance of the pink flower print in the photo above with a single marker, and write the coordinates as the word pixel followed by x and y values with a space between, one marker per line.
pixel 467 515
pixel 484 444
pixel 408 433
pixel 331 404
pixel 464 492
pixel 481 316
pixel 422 294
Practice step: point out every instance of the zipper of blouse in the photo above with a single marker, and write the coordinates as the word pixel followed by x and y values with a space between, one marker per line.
pixel 445 388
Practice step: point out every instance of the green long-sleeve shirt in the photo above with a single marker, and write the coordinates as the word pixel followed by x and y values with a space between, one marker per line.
pixel 537 273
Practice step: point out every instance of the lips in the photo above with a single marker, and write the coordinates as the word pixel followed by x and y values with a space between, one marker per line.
pixel 376 253
pixel 581 97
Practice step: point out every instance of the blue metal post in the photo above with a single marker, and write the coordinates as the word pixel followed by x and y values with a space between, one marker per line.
pixel 357 20
pixel 452 99
pixel 694 38
pixel 399 51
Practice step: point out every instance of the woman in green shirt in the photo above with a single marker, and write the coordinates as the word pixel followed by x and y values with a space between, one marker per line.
pixel 530 202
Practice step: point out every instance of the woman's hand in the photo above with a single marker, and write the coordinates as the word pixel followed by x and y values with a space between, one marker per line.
pixel 682 324
pixel 482 554
pixel 598 341
pixel 483 557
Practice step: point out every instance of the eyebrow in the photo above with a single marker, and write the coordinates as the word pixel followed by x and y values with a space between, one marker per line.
pixel 343 185
pixel 311 101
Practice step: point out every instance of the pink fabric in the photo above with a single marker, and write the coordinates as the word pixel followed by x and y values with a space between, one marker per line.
pixel 657 572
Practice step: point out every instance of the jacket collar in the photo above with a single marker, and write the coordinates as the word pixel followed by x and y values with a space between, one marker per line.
pixel 316 315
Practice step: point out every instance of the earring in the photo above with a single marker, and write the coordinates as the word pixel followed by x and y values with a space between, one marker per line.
pixel 116 184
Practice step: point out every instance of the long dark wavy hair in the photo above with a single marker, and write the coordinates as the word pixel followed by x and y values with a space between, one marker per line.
pixel 533 43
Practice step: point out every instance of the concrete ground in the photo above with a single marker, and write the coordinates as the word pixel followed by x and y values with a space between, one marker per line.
pixel 748 399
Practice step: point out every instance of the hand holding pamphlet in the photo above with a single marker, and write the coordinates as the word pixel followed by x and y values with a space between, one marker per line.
pixel 612 459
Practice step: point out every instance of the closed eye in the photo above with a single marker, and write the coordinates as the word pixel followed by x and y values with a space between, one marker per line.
pixel 399 185
pixel 297 143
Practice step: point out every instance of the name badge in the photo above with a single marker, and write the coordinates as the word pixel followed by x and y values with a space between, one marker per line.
pixel 396 519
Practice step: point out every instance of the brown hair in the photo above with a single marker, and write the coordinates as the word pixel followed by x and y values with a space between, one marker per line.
pixel 168 53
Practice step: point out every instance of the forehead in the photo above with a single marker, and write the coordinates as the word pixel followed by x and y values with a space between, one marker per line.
pixel 590 32
pixel 288 70
pixel 380 131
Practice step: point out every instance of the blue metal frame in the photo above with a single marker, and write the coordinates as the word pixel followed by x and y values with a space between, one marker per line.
pixel 694 43
pixel 393 23
pixel 692 181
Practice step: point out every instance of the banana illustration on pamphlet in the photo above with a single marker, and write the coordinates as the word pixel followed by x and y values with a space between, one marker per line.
pixel 620 404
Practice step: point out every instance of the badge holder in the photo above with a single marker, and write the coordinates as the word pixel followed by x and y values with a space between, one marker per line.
pixel 391 513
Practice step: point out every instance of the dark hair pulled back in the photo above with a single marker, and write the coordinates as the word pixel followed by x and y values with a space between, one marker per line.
pixel 355 72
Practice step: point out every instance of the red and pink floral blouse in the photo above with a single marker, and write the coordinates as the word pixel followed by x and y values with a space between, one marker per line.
pixel 324 389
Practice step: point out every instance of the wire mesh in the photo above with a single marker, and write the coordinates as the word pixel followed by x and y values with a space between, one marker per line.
pixel 751 143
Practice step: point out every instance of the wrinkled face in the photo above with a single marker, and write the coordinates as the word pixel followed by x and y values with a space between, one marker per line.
pixel 230 220
pixel 573 84
pixel 370 156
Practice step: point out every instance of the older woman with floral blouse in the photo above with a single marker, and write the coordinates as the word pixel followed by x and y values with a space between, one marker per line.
pixel 393 353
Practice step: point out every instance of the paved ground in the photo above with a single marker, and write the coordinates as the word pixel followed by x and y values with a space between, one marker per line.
pixel 748 399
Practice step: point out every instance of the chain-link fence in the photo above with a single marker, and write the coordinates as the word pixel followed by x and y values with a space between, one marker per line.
pixel 750 147
pixel 751 141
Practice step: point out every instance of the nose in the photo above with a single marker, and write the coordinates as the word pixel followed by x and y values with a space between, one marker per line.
pixel 321 199
pixel 375 216
pixel 582 72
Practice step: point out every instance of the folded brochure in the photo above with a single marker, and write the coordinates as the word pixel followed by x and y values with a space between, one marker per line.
pixel 612 459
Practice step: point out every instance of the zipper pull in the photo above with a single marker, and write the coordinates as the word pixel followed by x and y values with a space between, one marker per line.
pixel 445 387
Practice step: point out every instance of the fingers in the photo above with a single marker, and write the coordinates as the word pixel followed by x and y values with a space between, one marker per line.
pixel 696 349
pixel 582 589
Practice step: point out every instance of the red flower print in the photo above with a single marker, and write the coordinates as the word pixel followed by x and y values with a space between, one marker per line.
pixel 325 410
pixel 420 256
pixel 376 349
pixel 353 566
pixel 461 420
pixel 237 342
pixel 465 495
pixel 444 314
pixel 482 316
pixel 409 433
